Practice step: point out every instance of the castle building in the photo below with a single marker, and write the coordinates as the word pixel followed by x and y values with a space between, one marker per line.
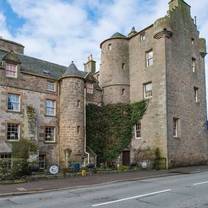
pixel 164 64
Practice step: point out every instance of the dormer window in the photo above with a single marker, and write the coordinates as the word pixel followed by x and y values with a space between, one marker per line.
pixel 11 70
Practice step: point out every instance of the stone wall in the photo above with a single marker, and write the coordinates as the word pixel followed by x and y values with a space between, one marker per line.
pixel 71 120
pixel 153 124
pixel 190 147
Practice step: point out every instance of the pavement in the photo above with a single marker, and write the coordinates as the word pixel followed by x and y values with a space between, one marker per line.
pixel 67 183
pixel 188 190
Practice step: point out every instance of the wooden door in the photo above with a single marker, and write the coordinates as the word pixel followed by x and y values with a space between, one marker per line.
pixel 126 158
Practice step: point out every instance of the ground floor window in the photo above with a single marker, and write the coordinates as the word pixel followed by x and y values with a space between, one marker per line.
pixel 6 158
pixel 42 161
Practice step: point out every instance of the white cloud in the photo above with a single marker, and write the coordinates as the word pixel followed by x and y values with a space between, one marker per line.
pixel 61 30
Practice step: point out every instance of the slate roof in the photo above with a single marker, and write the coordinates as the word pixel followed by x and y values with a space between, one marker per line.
pixel 43 68
pixel 73 71
pixel 118 35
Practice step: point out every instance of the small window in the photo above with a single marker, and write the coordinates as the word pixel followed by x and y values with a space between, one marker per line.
pixel 11 70
pixel 138 130
pixel 109 46
pixel 148 90
pixel 42 161
pixel 13 103
pixel 78 129
pixel 196 94
pixel 123 66
pixel 175 127
pixel 49 134
pixel 193 64
pixel 51 86
pixel 192 41
pixel 142 37
pixel 13 132
pixel 50 107
pixel 149 58
pixel 78 103
pixel 123 92
pixel 90 88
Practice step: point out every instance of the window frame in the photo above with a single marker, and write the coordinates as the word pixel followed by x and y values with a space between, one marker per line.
pixel 149 60
pixel 142 37
pixel 15 103
pixel 176 125
pixel 18 132
pixel 8 72
pixel 144 90
pixel 196 94
pixel 54 86
pixel 48 107
pixel 90 90
pixel 138 130
pixel 54 134
pixel 193 65
pixel 42 161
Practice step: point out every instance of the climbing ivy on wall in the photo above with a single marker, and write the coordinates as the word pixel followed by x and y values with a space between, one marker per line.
pixel 109 128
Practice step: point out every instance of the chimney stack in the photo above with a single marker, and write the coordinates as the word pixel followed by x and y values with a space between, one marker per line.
pixel 90 66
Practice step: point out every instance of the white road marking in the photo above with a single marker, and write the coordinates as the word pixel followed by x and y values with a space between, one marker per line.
pixel 200 183
pixel 133 197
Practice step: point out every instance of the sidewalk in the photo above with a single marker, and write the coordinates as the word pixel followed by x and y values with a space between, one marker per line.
pixel 77 182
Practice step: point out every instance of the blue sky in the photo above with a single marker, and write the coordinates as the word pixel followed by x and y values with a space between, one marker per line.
pixel 65 30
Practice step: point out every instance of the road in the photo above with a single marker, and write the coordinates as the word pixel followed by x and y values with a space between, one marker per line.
pixel 180 191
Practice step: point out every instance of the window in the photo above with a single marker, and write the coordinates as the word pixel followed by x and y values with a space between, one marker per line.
pixel 148 90
pixel 109 46
pixel 90 88
pixel 196 94
pixel 123 92
pixel 78 103
pixel 51 86
pixel 42 161
pixel 175 127
pixel 149 58
pixel 193 64
pixel 192 41
pixel 138 130
pixel 78 129
pixel 142 37
pixel 50 107
pixel 13 132
pixel 11 70
pixel 13 102
pixel 123 66
pixel 6 157
pixel 49 134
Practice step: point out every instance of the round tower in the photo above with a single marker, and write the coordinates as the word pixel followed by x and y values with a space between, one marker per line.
pixel 71 126
pixel 114 71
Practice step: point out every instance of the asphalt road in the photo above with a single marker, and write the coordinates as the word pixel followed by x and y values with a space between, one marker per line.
pixel 181 191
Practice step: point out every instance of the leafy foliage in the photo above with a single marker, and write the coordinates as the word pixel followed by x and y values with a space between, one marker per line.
pixel 109 128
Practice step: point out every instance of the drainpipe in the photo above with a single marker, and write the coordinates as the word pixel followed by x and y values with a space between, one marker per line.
pixel 85 137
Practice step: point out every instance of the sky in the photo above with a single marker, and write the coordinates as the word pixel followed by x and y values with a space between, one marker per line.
pixel 64 30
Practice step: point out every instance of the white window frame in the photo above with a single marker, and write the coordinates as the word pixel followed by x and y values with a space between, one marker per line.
pixel 90 88
pixel 176 127
pixel 147 94
pixel 54 134
pixel 51 86
pixel 136 130
pixel 48 108
pixel 11 70
pixel 18 102
pixel 149 56
pixel 18 132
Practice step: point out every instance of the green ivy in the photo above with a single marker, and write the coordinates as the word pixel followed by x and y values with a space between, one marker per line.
pixel 109 128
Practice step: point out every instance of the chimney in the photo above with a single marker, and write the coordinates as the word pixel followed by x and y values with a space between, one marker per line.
pixel 90 66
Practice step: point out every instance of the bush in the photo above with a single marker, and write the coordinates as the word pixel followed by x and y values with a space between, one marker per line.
pixel 123 168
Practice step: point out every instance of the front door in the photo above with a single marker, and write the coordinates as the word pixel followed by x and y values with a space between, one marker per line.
pixel 126 158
